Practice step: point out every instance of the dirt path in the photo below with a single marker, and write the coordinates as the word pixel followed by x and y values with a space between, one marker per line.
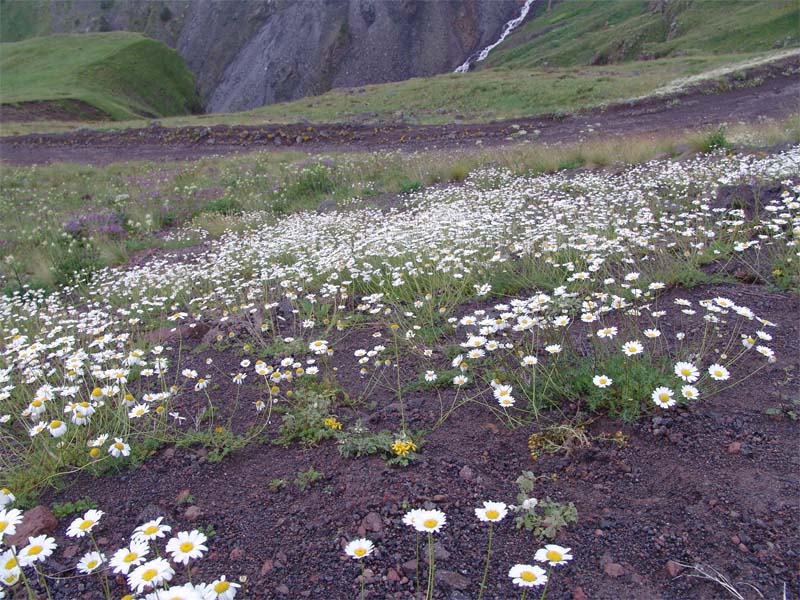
pixel 777 97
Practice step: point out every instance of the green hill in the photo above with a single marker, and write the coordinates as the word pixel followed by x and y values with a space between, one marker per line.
pixel 584 32
pixel 124 75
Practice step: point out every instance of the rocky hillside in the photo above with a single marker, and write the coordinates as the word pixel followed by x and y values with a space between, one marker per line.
pixel 250 53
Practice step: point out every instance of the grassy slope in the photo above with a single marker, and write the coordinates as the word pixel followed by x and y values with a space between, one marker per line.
pixel 123 74
pixel 544 67
pixel 23 19
pixel 476 97
pixel 580 31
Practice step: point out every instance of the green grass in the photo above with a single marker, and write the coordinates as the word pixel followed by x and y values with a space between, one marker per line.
pixel 21 20
pixel 474 97
pixel 125 75
pixel 579 32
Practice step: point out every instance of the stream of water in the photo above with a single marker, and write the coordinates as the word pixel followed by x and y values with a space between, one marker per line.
pixel 508 28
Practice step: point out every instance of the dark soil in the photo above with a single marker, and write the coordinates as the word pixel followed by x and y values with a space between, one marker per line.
pixel 769 92
pixel 714 483
pixel 61 110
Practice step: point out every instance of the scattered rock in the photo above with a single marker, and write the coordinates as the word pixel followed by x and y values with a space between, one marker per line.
pixel 452 580
pixel 183 495
pixel 673 568
pixel 579 594
pixel 36 521
pixel 410 566
pixel 282 589
pixel 373 522
pixel 193 513
pixel 267 567
pixel 734 447
pixel 393 575
pixel 614 570
pixel 236 554
pixel 466 473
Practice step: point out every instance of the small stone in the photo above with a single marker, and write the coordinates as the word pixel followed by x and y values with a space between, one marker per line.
pixel 452 580
pixel 579 594
pixel 440 498
pixel 673 568
pixel 735 540
pixel 743 548
pixel 373 522
pixel 282 589
pixel 393 575
pixel 614 570
pixel 734 447
pixel 192 513
pixel 36 521
pixel 236 554
pixel 410 566
pixel 71 551
pixel 183 496
pixel 466 473
pixel 267 567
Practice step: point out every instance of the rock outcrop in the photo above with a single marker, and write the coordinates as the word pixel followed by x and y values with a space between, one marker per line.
pixel 248 53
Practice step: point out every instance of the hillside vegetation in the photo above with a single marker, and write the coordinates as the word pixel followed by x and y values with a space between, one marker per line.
pixel 583 32
pixel 124 75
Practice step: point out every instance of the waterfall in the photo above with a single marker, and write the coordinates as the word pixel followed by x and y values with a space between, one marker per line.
pixel 508 28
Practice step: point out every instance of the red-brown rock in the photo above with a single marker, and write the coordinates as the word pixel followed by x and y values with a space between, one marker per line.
pixel 36 521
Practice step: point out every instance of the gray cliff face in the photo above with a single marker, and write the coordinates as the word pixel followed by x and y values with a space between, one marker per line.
pixel 248 53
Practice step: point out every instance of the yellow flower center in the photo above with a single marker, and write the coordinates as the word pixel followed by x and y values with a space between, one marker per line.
pixel 151 530
pixel 55 424
pixel 149 574
pixel 10 563
pixel 94 452
pixel 553 556
pixel 3 525
pixel 222 586
pixel 91 564
pixel 186 546
pixel 37 403
pixel 492 514
pixel 685 371
pixel 35 550
pixel 528 576
pixel 663 397
pixel 430 523
pixel 86 524
pixel 360 552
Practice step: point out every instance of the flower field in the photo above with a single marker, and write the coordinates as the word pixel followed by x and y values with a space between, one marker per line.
pixel 444 389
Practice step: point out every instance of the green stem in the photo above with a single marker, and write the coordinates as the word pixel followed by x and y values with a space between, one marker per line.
pixel 43 581
pixel 101 572
pixel 524 594
pixel 486 568
pixel 25 581
pixel 417 561
pixel 546 583
pixel 429 592
pixel 362 579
